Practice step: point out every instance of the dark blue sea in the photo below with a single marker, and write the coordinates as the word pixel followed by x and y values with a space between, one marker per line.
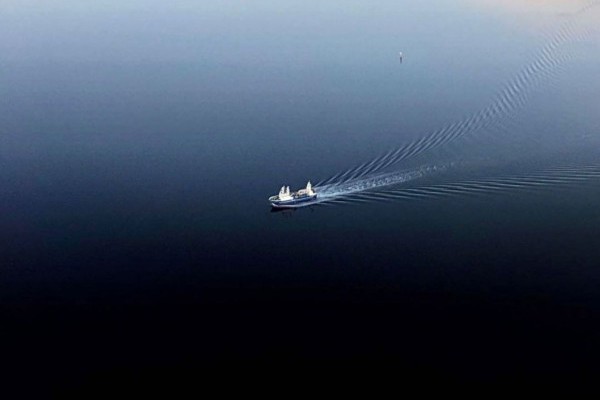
pixel 457 234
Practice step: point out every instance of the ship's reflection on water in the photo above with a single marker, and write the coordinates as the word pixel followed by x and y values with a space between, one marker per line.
pixel 282 211
pixel 291 211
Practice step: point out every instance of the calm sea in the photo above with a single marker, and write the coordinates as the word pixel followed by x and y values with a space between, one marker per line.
pixel 140 140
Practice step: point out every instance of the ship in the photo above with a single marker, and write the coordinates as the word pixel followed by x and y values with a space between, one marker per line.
pixel 285 199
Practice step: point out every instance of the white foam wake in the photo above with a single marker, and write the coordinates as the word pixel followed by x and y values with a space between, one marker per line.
pixel 339 190
pixel 551 178
pixel 514 96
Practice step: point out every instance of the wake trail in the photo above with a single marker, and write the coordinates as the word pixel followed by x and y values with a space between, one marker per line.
pixel 561 176
pixel 329 192
pixel 513 96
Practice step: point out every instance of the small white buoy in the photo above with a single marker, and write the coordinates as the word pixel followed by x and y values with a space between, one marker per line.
pixel 400 56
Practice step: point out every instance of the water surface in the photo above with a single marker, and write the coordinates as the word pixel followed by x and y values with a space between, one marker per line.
pixel 140 141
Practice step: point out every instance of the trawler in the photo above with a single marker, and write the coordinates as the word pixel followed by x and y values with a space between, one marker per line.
pixel 285 199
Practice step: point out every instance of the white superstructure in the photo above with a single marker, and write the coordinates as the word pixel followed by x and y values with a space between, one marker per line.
pixel 284 193
pixel 289 199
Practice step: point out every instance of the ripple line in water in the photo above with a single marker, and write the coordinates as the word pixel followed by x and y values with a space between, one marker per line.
pixel 513 96
pixel 544 179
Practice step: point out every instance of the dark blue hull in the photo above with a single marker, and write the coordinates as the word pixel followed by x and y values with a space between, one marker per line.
pixel 295 202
